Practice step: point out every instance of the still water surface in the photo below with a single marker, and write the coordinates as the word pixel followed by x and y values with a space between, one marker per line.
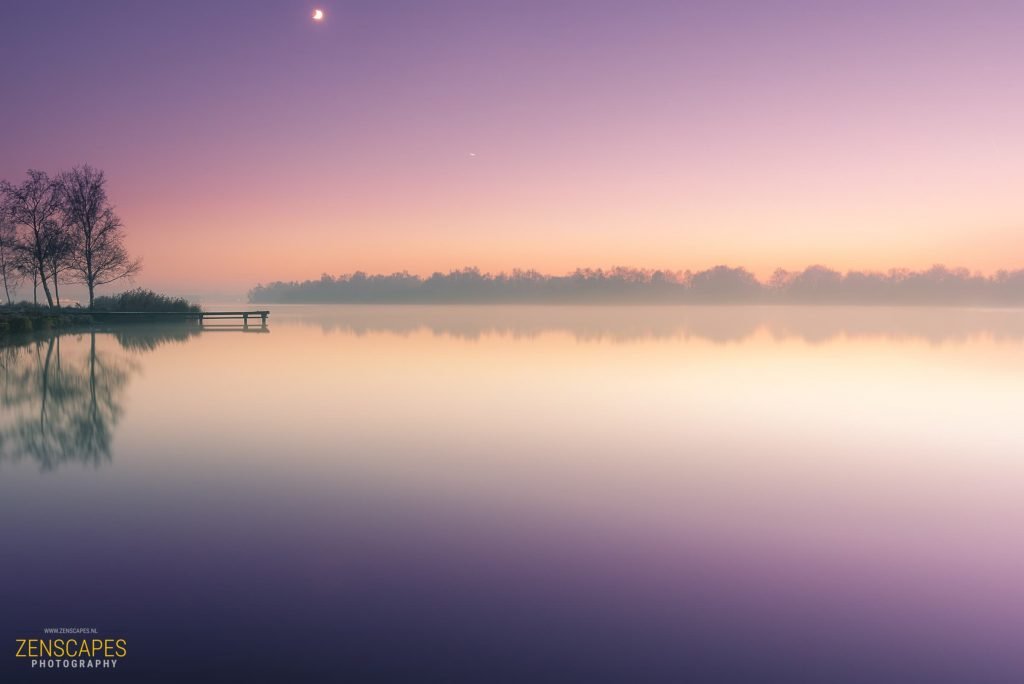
pixel 525 494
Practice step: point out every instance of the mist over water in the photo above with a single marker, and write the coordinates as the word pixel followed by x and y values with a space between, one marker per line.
pixel 517 493
pixel 937 286
pixel 633 323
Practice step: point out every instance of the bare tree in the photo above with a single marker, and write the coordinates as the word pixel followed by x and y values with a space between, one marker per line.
pixel 35 206
pixel 60 253
pixel 98 254
pixel 8 254
pixel 25 265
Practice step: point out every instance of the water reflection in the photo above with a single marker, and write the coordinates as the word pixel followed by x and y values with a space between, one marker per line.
pixel 148 338
pixel 674 503
pixel 62 396
pixel 721 325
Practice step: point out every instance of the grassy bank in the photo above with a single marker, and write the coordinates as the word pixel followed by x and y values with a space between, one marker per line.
pixel 18 320
pixel 21 319
pixel 144 301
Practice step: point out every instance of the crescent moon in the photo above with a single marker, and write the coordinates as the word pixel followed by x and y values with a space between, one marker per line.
pixel 318 15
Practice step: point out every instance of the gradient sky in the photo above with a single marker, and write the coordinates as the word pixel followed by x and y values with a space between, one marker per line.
pixel 245 143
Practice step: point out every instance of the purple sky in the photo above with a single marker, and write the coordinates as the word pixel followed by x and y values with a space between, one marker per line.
pixel 244 142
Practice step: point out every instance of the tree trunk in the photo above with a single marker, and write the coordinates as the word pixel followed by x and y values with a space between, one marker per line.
pixel 90 277
pixel 56 287
pixel 46 286
pixel 4 267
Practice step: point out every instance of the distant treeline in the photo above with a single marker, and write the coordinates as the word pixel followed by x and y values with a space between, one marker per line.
pixel 814 285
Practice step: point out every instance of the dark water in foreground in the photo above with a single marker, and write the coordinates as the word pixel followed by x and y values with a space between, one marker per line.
pixel 519 494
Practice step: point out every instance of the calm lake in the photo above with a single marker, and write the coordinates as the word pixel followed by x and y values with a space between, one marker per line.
pixel 521 494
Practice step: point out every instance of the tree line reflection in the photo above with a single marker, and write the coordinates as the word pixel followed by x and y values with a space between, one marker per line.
pixel 630 324
pixel 62 396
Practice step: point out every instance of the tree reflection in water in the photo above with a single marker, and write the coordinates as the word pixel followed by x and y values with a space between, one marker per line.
pixel 62 405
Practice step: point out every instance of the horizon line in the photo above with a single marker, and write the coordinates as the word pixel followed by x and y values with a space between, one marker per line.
pixel 819 267
pixel 820 284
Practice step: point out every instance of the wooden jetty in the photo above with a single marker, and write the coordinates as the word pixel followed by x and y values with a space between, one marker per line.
pixel 234 315
pixel 199 316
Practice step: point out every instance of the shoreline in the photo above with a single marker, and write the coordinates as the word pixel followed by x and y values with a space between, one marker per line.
pixel 28 321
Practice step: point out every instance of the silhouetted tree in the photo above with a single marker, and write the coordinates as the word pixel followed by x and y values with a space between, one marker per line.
pixel 815 284
pixel 98 256
pixel 725 284
pixel 8 254
pixel 34 206
pixel 27 267
pixel 60 251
